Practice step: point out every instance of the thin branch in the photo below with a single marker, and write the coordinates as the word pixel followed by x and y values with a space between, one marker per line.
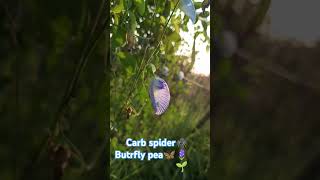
pixel 97 155
pixel 196 84
pixel 135 82
pixel 193 55
pixel 277 70
pixel 202 121
pixel 76 151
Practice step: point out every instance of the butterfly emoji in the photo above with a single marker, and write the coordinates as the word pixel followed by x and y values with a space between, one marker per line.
pixel 169 155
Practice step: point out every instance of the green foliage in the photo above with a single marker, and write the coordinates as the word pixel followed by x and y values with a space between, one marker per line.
pixel 153 68
pixel 118 8
pixel 140 5
pixel 141 45
pixel 266 123
pixel 42 43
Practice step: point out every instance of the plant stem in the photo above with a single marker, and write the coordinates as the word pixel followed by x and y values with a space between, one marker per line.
pixel 148 60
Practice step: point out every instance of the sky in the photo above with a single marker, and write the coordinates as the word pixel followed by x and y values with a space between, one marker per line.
pixel 295 19
pixel 202 62
pixel 289 19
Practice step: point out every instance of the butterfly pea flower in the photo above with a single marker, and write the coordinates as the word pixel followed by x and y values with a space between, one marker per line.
pixel 159 95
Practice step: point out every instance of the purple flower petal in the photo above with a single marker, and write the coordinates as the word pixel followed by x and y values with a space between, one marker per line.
pixel 181 153
pixel 160 95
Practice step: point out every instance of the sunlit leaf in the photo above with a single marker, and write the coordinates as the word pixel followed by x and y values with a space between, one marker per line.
pixel 174 37
pixel 204 25
pixel 153 68
pixel 118 8
pixel 197 5
pixel 133 22
pixel 162 20
pixel 208 48
pixel 116 19
pixel 121 55
pixel 176 22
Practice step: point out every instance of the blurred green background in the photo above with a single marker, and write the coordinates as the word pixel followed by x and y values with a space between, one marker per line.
pixel 266 95
pixel 48 122
pixel 142 46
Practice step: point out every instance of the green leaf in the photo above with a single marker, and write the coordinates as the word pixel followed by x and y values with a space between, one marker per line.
pixel 204 25
pixel 118 8
pixel 198 5
pixel 176 22
pixel 184 164
pixel 179 165
pixel 204 14
pixel 184 28
pixel 118 37
pixel 140 5
pixel 162 20
pixel 121 55
pixel 167 9
pixel 116 19
pixel 174 37
pixel 153 68
pixel 128 4
pixel 205 4
pixel 197 34
pixel 127 59
pixel 133 21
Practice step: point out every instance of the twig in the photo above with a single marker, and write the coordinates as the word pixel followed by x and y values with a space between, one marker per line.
pixel 197 84
pixel 133 87
pixel 98 153
pixel 202 121
pixel 277 70
pixel 193 55
pixel 76 151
